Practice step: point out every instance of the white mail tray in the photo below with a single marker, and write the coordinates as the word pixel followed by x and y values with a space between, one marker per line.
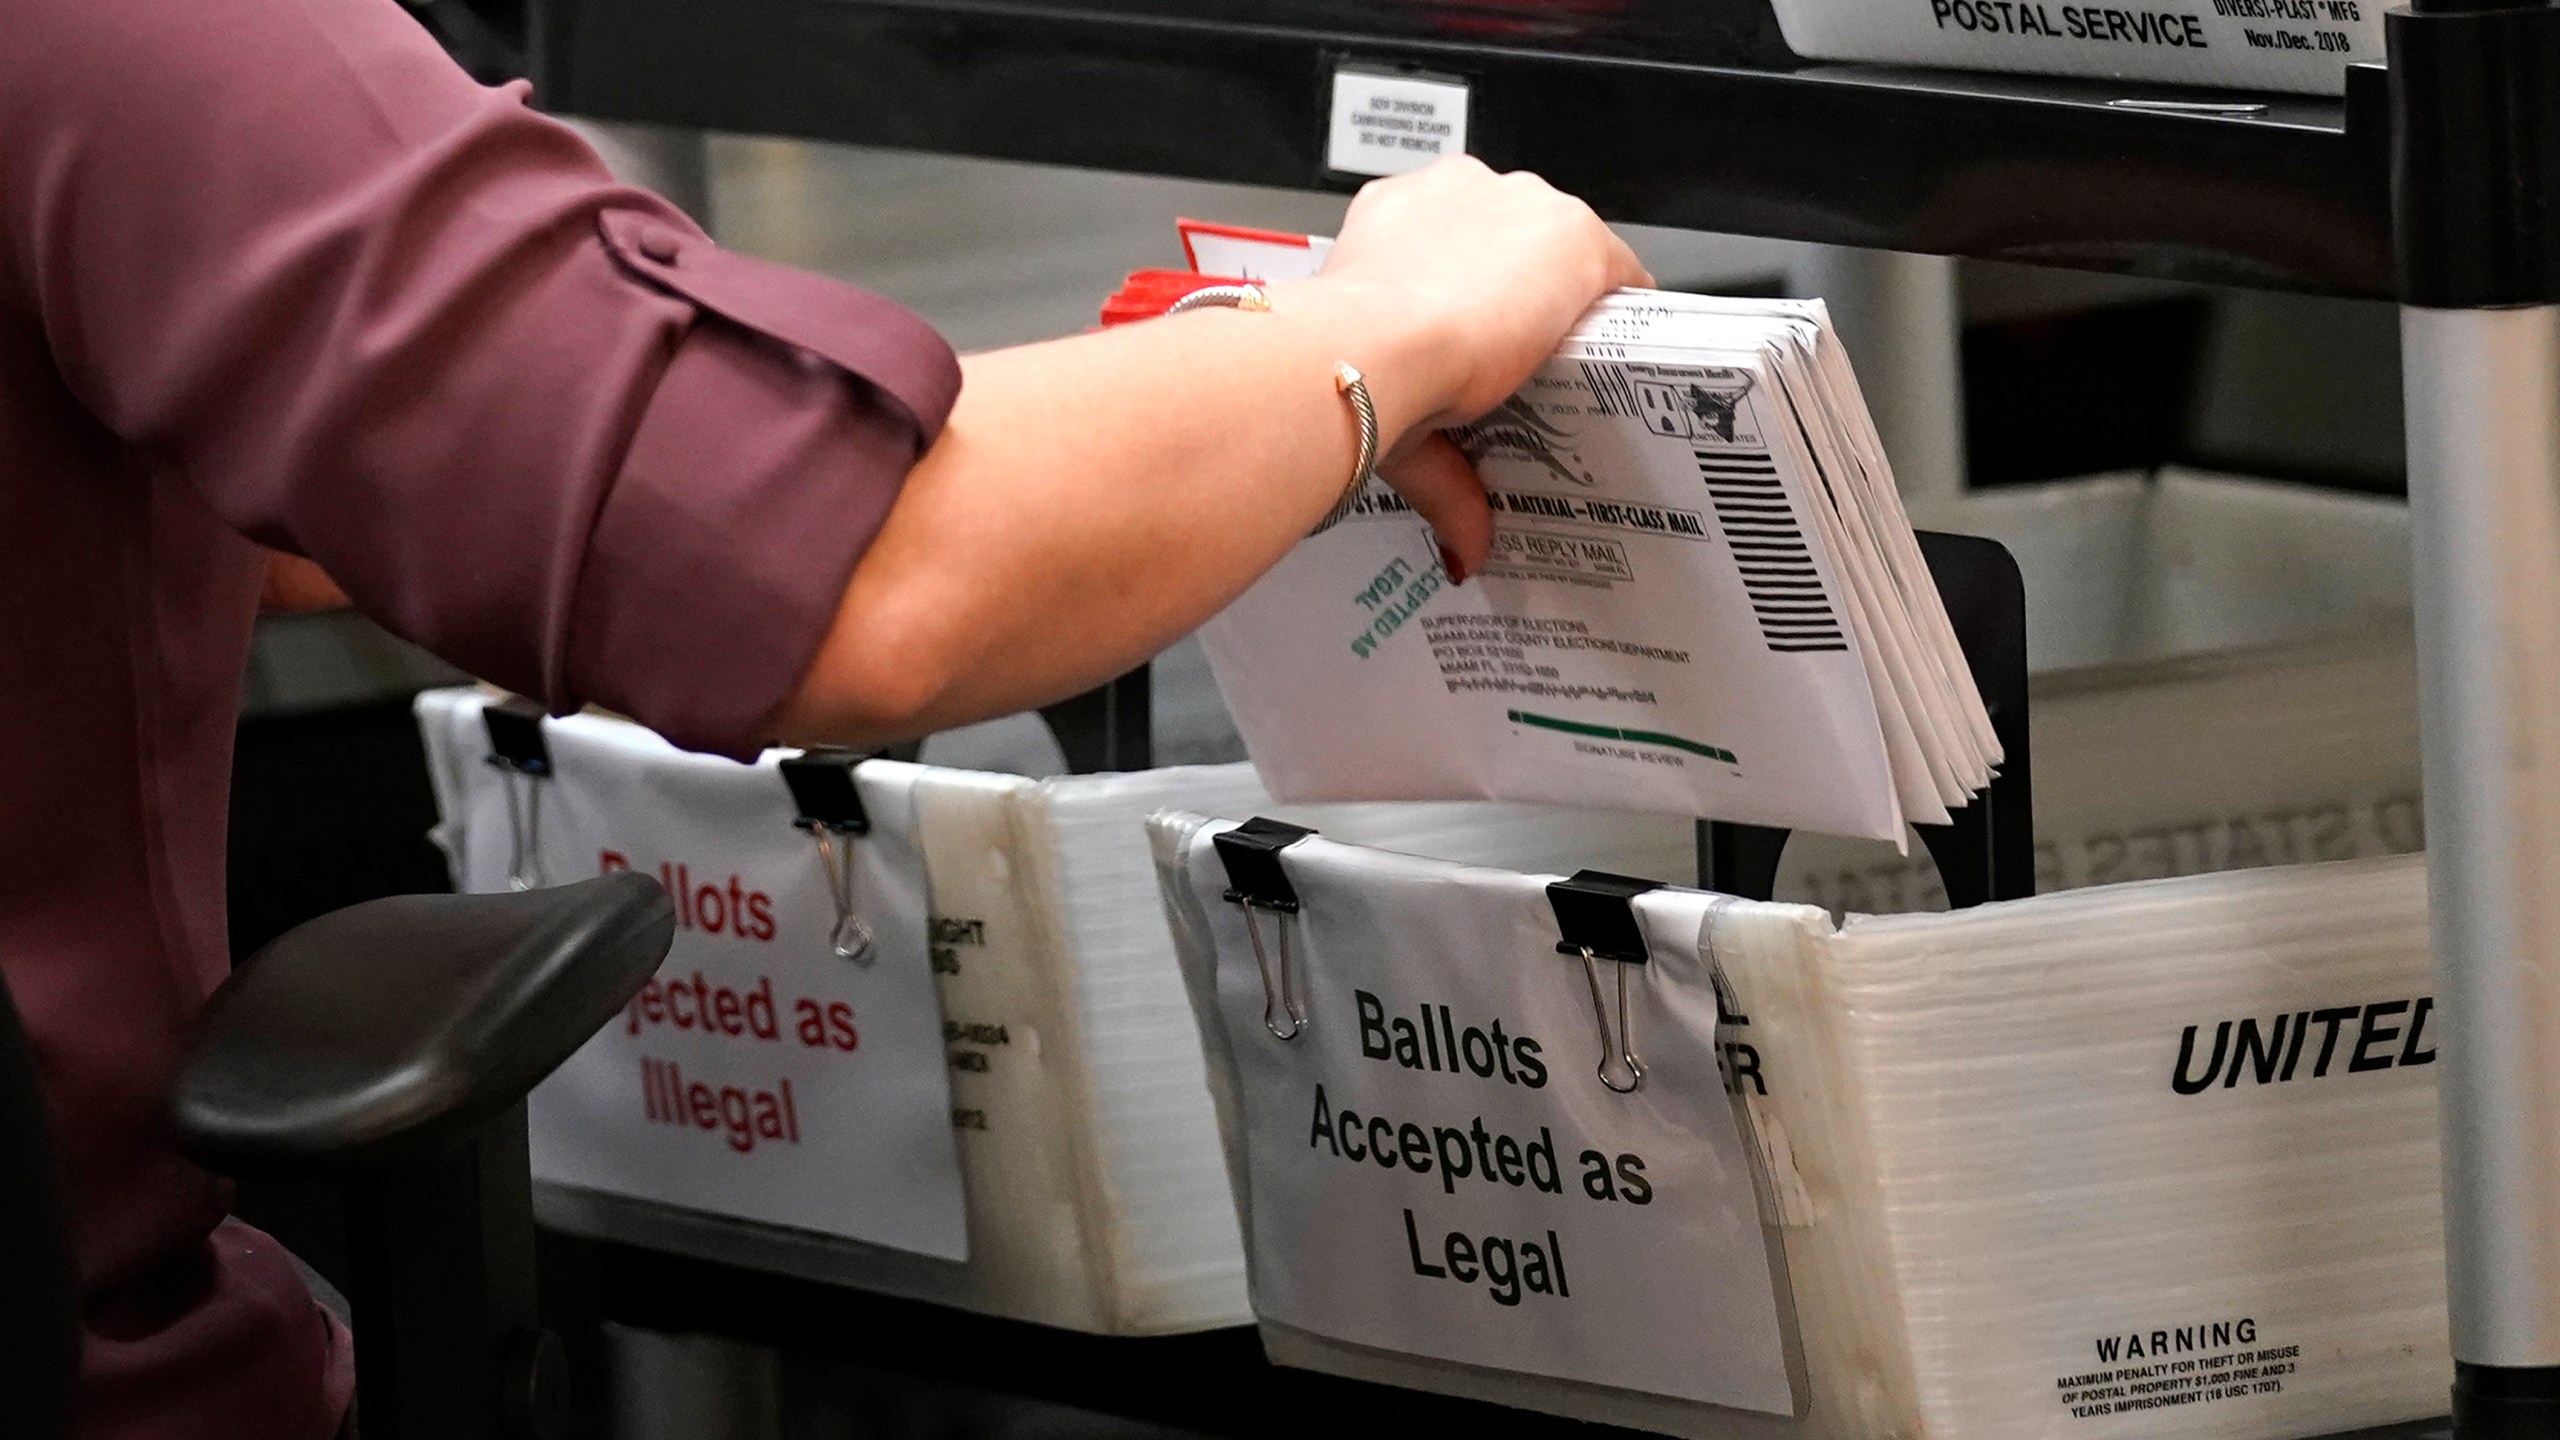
pixel 1096 1197
pixel 2153 1161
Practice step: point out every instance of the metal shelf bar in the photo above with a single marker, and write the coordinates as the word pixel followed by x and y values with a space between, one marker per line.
pixel 2294 196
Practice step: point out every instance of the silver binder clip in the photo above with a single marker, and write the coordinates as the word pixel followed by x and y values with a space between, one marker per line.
pixel 1257 883
pixel 1625 1045
pixel 1283 996
pixel 830 810
pixel 849 937
pixel 517 751
pixel 1596 913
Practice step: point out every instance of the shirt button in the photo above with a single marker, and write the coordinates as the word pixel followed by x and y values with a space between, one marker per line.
pixel 659 247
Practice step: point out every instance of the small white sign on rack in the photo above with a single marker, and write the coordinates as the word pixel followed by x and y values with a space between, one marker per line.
pixel 1387 123
pixel 1435 1159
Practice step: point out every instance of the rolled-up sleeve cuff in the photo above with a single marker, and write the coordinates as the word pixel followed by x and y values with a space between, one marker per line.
pixel 767 460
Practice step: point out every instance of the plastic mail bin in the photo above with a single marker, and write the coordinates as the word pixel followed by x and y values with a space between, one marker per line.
pixel 2148 1160
pixel 2224 679
pixel 1096 1199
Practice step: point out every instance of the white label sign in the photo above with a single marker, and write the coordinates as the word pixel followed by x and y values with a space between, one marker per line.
pixel 1387 124
pixel 1434 1166
pixel 2303 46
pixel 760 1075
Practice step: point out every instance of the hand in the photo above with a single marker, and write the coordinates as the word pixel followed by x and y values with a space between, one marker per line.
pixel 1488 271
pixel 1470 279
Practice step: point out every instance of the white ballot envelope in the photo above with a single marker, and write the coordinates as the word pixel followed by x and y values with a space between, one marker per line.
pixel 1703 598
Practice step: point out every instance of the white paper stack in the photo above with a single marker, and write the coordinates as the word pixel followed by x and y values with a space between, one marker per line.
pixel 2144 1161
pixel 1703 597
pixel 1096 1198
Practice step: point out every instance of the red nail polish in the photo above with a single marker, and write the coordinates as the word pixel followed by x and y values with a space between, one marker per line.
pixel 1449 562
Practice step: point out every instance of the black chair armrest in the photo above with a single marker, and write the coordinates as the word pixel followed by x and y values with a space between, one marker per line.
pixel 386 1031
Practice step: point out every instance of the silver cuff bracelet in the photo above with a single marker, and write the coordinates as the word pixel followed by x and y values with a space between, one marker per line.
pixel 1347 380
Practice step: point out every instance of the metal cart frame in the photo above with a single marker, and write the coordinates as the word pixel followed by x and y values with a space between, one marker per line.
pixel 2436 181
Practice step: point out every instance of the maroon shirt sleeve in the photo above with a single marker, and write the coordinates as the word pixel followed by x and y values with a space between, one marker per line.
pixel 381 316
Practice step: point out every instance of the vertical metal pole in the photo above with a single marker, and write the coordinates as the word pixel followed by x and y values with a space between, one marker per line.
pixel 2483 398
pixel 2475 179
pixel 1898 316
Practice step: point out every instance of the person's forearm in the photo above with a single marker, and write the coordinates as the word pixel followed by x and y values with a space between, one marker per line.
pixel 294 586
pixel 1094 499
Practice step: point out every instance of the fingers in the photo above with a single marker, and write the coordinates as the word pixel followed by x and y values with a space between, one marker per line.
pixel 1485 271
pixel 1449 175
pixel 1625 268
pixel 1619 263
pixel 1461 190
pixel 1437 480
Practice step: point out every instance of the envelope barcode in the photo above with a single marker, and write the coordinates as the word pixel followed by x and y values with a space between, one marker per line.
pixel 1787 597
pixel 1610 389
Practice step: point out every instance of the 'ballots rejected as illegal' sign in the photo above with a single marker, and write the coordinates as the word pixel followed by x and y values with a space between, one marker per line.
pixel 1433 1164
pixel 760 1076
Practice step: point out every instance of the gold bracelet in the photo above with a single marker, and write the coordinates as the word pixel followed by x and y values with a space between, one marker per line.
pixel 1347 381
pixel 1223 297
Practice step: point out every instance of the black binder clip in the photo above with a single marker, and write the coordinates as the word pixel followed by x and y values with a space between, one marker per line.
pixel 830 810
pixel 1255 882
pixel 523 760
pixel 1596 914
